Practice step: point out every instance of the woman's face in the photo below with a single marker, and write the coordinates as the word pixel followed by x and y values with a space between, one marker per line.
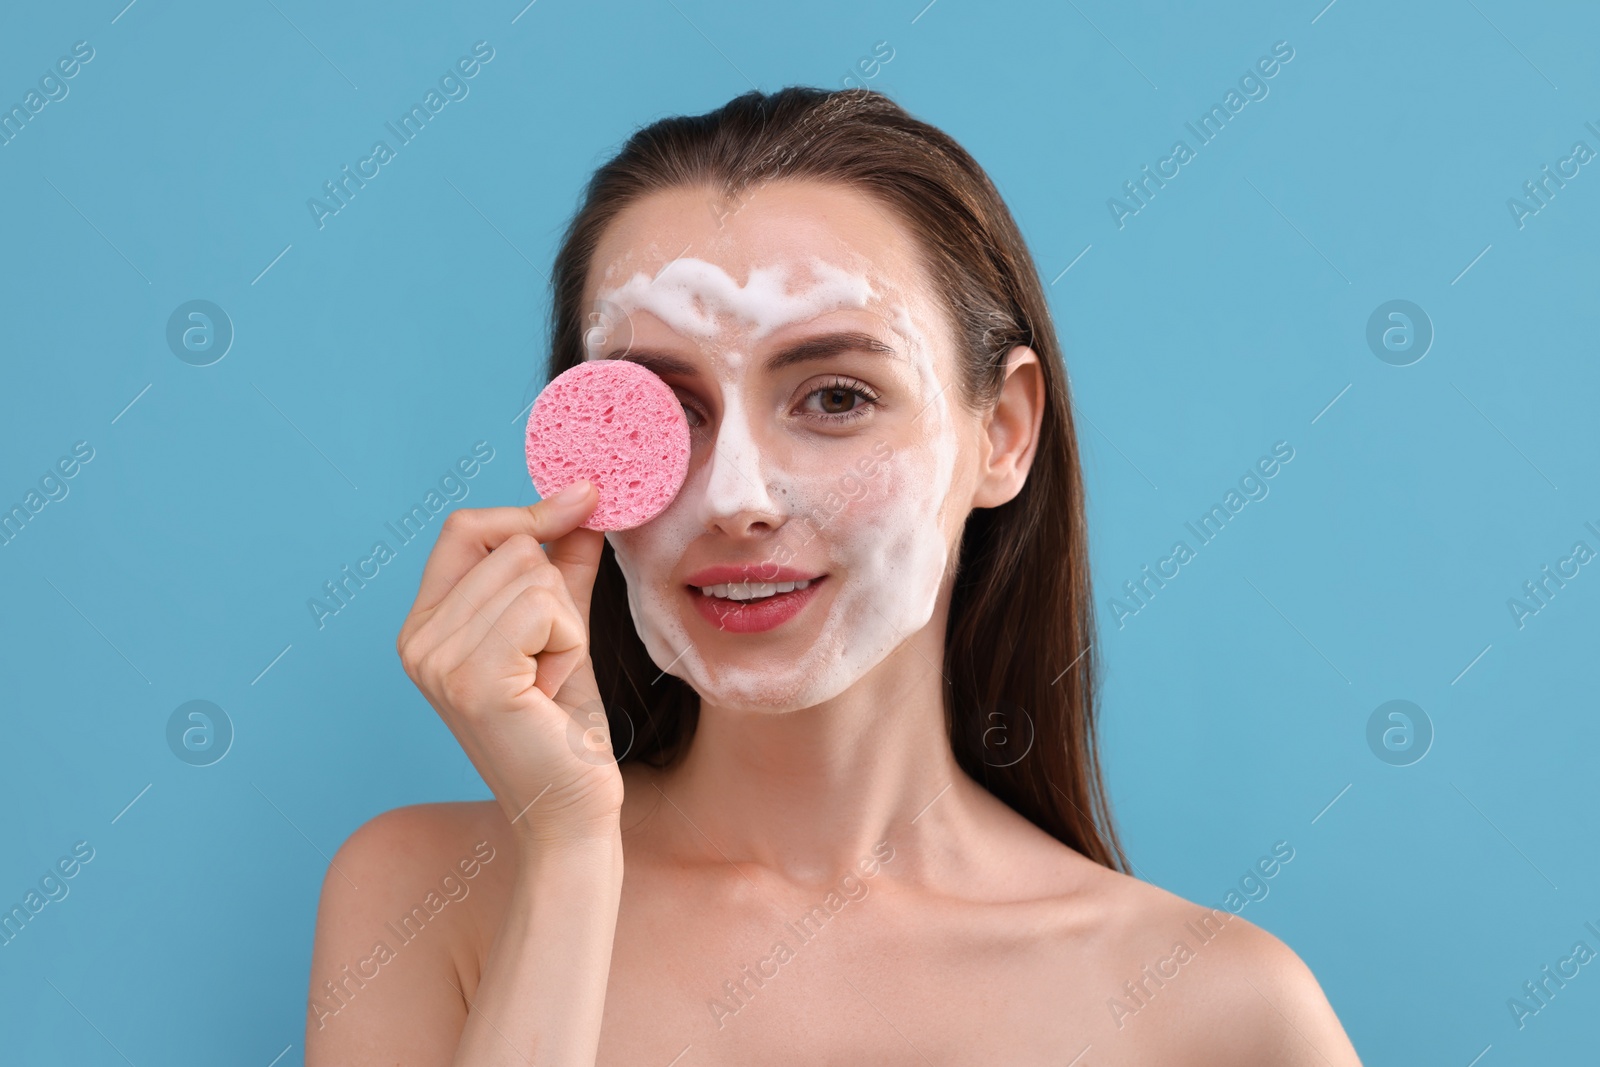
pixel 817 375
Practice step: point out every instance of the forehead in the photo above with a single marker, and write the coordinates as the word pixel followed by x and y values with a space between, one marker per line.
pixel 786 225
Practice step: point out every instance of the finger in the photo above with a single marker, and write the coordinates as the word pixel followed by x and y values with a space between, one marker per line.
pixel 470 534
pixel 537 640
pixel 519 555
pixel 456 643
pixel 577 557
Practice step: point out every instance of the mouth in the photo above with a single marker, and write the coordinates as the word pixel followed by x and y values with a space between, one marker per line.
pixel 745 592
pixel 753 607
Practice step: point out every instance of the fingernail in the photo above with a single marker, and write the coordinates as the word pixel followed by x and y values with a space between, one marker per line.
pixel 570 495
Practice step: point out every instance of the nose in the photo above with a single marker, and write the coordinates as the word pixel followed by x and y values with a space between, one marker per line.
pixel 737 499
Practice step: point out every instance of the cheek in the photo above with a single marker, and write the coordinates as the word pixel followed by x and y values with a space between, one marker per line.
pixel 637 558
pixel 895 518
pixel 647 554
pixel 636 551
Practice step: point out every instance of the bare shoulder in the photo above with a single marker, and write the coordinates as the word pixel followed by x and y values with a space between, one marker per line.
pixel 416 836
pixel 1187 983
pixel 395 922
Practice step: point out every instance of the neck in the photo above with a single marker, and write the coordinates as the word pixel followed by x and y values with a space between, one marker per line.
pixel 810 792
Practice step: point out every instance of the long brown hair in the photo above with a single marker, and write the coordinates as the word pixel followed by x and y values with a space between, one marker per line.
pixel 1020 662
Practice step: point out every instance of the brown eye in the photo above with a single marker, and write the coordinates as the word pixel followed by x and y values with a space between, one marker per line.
pixel 838 401
pixel 842 401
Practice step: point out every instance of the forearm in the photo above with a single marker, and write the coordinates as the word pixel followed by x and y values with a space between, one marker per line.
pixel 543 988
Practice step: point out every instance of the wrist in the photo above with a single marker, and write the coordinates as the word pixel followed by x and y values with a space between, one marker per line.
pixel 594 846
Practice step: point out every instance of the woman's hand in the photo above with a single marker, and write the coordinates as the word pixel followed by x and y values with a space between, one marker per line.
pixel 498 641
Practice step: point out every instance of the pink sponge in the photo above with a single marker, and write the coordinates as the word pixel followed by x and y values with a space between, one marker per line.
pixel 617 424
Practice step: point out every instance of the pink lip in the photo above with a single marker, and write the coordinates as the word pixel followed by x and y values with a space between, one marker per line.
pixel 753 617
pixel 724 573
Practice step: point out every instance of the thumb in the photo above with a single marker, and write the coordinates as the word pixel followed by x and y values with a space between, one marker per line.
pixel 576 554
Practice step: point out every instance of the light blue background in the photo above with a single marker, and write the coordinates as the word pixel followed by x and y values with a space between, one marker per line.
pixel 1222 318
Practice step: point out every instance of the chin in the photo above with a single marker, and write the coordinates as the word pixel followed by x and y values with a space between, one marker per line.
pixel 754 691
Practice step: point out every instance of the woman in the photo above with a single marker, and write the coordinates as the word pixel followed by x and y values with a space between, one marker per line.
pixel 803 769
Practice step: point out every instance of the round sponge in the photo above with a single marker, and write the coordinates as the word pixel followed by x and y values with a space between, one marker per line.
pixel 617 424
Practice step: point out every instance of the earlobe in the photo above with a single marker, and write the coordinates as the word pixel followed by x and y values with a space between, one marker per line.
pixel 1012 430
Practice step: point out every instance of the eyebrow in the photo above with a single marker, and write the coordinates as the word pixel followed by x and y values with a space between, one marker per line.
pixel 822 346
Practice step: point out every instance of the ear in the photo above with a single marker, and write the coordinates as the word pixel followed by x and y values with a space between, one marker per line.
pixel 1011 431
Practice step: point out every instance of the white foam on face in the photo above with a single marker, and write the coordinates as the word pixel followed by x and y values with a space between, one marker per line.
pixel 694 297
pixel 879 537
